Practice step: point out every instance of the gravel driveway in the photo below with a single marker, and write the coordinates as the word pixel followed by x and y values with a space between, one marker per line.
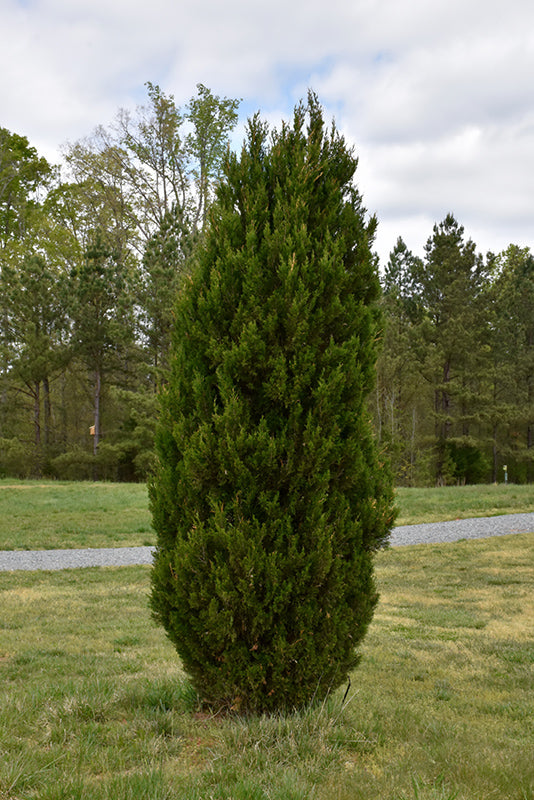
pixel 67 559
pixel 479 528
pixel 430 533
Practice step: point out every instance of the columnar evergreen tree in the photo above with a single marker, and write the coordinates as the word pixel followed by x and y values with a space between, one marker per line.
pixel 270 495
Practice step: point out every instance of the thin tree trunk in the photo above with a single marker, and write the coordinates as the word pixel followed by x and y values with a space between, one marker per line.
pixel 378 411
pixel 494 449
pixel 47 411
pixel 64 416
pixel 412 447
pixel 37 414
pixel 530 445
pixel 37 425
pixel 98 387
pixel 96 436
pixel 443 407
pixel 530 399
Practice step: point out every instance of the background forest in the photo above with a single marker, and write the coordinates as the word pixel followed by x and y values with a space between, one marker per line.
pixel 92 255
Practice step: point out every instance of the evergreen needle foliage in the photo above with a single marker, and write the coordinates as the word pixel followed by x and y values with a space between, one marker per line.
pixel 270 496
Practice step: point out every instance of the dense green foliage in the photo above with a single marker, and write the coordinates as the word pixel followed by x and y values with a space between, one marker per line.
pixel 89 270
pixel 270 496
pixel 454 401
pixel 455 395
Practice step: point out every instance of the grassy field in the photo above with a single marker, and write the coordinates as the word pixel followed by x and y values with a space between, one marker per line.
pixel 462 502
pixel 47 515
pixel 93 704
pixel 41 515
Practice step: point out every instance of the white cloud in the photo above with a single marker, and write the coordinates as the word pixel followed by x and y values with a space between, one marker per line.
pixel 437 96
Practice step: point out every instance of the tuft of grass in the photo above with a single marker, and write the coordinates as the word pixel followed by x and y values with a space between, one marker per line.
pixel 93 703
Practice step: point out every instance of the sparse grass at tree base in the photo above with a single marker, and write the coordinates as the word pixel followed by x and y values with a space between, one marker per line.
pixel 93 704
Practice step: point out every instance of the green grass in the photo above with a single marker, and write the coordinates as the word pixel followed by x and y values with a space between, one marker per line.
pixel 37 515
pixel 462 502
pixel 41 515
pixel 93 704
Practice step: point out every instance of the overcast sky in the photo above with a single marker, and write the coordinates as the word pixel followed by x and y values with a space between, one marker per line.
pixel 437 96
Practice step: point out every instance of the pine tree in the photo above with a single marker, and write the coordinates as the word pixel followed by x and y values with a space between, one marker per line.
pixel 34 291
pixel 450 285
pixel 102 292
pixel 513 346
pixel 400 390
pixel 270 496
pixel 165 263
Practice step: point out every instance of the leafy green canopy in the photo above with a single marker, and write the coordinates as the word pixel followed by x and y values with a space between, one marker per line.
pixel 270 497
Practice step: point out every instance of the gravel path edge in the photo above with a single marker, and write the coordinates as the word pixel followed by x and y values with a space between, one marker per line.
pixel 427 533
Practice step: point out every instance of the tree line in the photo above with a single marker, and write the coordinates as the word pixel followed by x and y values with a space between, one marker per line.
pixel 92 256
pixel 455 391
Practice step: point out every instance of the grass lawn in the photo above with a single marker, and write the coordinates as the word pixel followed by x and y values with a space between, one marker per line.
pixel 462 502
pixel 93 704
pixel 41 515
